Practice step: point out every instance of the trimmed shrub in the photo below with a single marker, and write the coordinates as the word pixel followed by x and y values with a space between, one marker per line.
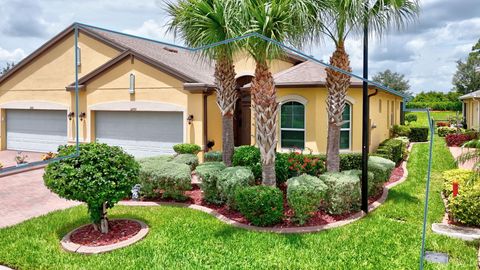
pixel 392 149
pixel 381 168
pixel 305 194
pixel 400 131
pixel 186 148
pixel 165 158
pixel 464 178
pixel 230 180
pixel 208 173
pixel 299 164
pixel 444 131
pixel 213 156
pixel 248 156
pixel 100 176
pixel 281 168
pixel 374 185
pixel 465 208
pixel 173 178
pixel 189 159
pixel 261 205
pixel 343 192
pixel 410 117
pixel 458 139
pixel 350 161
pixel 418 134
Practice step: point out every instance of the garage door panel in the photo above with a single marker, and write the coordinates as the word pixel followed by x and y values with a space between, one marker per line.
pixel 141 134
pixel 38 131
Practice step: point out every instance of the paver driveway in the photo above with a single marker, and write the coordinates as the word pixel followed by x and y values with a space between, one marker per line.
pixel 23 196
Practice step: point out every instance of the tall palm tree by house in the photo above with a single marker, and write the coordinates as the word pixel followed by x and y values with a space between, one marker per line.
pixel 345 17
pixel 284 21
pixel 203 22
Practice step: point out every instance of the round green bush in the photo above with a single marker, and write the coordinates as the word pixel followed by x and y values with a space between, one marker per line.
pixel 261 205
pixel 230 180
pixel 100 176
pixel 465 208
pixel 248 156
pixel 304 195
pixel 410 117
pixel 186 148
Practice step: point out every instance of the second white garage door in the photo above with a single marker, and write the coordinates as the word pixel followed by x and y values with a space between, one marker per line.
pixel 141 134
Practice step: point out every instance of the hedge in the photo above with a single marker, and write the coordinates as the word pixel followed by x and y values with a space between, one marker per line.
pixel 418 134
pixel 213 156
pixel 465 208
pixel 343 192
pixel 230 180
pixel 304 195
pixel 437 106
pixel 261 205
pixel 391 149
pixel 401 131
pixel 189 159
pixel 444 131
pixel 375 185
pixel 381 168
pixel 208 173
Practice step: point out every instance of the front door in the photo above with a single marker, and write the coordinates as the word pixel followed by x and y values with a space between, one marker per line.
pixel 242 120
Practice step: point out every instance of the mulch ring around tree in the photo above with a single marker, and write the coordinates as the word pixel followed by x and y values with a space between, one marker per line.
pixel 119 230
pixel 318 218
pixel 122 232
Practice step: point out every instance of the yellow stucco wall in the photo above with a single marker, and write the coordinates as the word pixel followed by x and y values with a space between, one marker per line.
pixel 316 118
pixel 151 85
pixel 472 113
pixel 44 79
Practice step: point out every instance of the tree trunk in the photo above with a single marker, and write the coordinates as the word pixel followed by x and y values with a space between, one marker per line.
pixel 337 84
pixel 104 220
pixel 226 99
pixel 265 107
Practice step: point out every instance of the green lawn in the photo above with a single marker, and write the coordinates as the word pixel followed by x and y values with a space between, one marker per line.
pixel 436 115
pixel 389 238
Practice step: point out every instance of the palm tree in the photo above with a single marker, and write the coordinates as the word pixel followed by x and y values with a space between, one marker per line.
pixel 284 21
pixel 203 22
pixel 344 17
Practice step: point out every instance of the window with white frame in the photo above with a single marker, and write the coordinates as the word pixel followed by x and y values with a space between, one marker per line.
pixel 292 125
pixel 346 129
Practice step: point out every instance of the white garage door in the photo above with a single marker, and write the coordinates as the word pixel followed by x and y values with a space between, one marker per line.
pixel 36 130
pixel 141 134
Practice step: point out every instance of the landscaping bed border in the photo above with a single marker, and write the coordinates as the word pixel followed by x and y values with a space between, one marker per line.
pixel 69 246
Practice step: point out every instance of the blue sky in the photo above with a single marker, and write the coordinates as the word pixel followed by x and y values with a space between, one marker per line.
pixel 425 52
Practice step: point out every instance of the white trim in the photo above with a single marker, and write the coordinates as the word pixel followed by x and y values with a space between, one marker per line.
pixel 34 105
pixel 244 74
pixel 350 100
pixel 296 98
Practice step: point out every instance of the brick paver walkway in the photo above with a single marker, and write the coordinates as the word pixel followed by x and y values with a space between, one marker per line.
pixel 24 196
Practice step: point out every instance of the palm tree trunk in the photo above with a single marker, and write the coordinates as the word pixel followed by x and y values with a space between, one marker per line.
pixel 266 112
pixel 226 99
pixel 337 84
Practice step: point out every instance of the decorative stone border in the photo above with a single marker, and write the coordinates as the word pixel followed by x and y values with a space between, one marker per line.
pixel 308 229
pixel 76 248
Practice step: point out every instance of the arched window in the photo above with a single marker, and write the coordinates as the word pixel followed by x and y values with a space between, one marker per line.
pixel 292 125
pixel 346 129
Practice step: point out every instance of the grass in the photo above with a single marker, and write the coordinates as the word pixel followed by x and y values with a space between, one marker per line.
pixel 436 115
pixel 389 238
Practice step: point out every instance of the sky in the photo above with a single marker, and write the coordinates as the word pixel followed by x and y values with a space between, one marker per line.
pixel 426 51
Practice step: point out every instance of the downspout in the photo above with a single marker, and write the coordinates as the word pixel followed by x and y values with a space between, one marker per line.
pixel 205 120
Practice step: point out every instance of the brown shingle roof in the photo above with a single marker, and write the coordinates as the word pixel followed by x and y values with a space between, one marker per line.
pixel 187 64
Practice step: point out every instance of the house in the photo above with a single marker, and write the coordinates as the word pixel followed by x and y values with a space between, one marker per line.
pixel 146 96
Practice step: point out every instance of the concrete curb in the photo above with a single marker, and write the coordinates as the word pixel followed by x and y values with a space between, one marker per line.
pixel 308 229
pixel 76 248
pixel 2 267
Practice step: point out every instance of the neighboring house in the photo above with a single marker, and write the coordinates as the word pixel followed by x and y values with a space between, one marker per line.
pixel 146 96
pixel 471 108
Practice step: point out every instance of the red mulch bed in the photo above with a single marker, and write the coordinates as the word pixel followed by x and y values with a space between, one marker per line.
pixel 194 196
pixel 119 230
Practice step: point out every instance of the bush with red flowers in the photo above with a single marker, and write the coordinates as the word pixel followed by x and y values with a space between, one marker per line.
pixel 299 164
pixel 459 139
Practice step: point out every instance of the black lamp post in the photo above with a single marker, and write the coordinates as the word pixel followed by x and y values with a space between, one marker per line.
pixel 365 117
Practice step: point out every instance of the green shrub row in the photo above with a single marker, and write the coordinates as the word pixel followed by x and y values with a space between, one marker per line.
pixel 400 130
pixel 230 180
pixel 208 173
pixel 437 106
pixel 418 134
pixel 444 131
pixel 391 149
pixel 343 192
pixel 186 148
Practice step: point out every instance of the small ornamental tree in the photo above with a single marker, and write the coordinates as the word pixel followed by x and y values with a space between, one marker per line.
pixel 100 176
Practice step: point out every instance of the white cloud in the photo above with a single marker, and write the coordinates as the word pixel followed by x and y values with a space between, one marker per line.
pixel 152 29
pixel 8 56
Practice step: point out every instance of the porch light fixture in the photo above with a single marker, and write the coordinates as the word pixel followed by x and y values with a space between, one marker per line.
pixel 131 90
pixel 82 116
pixel 190 119
pixel 70 115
